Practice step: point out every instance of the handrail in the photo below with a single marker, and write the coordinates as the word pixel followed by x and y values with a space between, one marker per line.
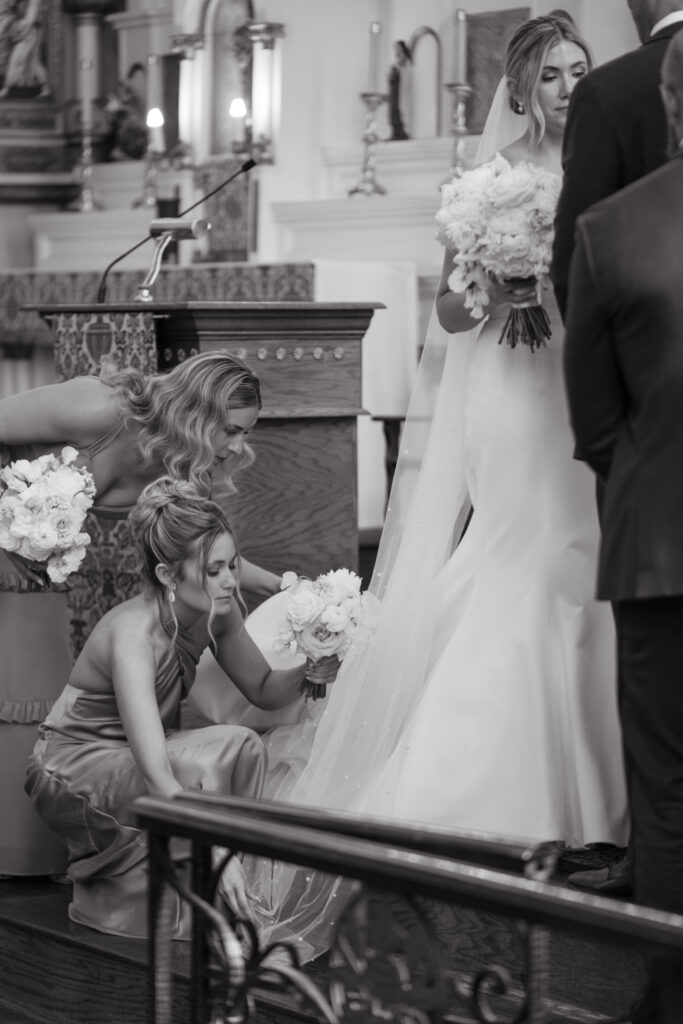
pixel 388 867
pixel 470 847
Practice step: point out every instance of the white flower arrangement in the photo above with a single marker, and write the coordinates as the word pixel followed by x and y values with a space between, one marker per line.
pixel 43 505
pixel 323 619
pixel 497 219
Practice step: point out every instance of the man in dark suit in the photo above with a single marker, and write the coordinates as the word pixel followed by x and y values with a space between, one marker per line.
pixel 624 373
pixel 616 130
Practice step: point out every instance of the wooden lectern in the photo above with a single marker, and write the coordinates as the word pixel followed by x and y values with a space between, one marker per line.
pixel 296 506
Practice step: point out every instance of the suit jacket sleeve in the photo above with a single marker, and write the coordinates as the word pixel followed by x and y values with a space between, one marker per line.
pixel 595 388
pixel 592 171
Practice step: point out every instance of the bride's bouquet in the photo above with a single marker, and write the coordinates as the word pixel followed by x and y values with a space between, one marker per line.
pixel 322 619
pixel 498 220
pixel 43 505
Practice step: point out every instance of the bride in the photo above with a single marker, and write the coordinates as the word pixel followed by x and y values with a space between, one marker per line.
pixel 487 699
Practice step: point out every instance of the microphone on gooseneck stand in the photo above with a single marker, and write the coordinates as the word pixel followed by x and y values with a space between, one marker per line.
pixel 181 226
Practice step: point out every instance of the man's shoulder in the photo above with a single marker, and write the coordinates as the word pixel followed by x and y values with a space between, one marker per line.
pixel 625 204
pixel 623 75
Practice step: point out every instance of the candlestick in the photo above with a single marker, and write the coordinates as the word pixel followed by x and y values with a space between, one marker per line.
pixel 460 46
pixel 367 184
pixel 374 60
pixel 461 92
pixel 87 29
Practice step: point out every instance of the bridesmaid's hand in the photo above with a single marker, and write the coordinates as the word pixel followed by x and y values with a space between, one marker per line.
pixel 25 569
pixel 233 889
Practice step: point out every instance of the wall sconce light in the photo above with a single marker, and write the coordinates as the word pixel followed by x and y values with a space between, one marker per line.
pixel 155 147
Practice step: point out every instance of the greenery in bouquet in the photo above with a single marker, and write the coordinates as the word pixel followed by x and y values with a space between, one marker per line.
pixel 43 505
pixel 324 617
pixel 497 220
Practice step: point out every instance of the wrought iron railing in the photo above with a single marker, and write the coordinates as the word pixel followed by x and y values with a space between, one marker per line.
pixel 392 969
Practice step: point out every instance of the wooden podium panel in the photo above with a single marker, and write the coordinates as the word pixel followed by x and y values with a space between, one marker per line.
pixel 296 506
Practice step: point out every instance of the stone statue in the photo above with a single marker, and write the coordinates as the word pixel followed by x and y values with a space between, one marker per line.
pixel 400 91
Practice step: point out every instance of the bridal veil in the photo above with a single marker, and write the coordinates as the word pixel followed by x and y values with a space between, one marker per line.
pixel 380 682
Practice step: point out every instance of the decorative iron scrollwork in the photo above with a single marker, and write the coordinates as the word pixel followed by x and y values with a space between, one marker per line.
pixel 387 963
pixel 237 963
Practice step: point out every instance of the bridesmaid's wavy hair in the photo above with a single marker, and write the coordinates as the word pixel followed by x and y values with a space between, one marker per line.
pixel 526 55
pixel 170 523
pixel 178 413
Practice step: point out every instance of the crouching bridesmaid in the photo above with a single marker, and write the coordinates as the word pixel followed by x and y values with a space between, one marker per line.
pixel 113 733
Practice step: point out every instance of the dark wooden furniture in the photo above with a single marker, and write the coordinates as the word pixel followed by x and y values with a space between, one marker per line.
pixel 296 506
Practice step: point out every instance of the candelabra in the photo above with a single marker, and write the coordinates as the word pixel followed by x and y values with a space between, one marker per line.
pixel 461 92
pixel 86 201
pixel 367 184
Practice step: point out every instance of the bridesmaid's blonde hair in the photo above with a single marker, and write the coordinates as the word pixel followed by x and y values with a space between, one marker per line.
pixel 178 413
pixel 526 55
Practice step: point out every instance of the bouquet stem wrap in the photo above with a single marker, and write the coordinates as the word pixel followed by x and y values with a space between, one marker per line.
pixel 526 325
pixel 319 675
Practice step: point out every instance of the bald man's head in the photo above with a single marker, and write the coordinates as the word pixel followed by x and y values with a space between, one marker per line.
pixel 672 88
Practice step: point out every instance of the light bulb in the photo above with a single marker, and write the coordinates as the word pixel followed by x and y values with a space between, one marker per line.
pixel 155 119
pixel 238 108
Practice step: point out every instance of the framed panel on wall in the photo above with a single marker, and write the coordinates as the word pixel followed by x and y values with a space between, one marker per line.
pixel 30 89
pixel 487 38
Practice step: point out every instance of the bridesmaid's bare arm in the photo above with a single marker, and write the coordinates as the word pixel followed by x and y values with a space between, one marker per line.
pixel 133 673
pixel 75 412
pixel 240 658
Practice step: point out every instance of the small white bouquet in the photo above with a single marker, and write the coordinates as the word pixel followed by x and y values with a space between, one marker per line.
pixel 324 618
pixel 43 504
pixel 498 221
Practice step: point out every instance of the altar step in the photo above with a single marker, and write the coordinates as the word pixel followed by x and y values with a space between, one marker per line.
pixel 55 972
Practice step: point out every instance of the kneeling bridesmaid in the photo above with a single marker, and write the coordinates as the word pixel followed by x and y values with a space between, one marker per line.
pixel 113 733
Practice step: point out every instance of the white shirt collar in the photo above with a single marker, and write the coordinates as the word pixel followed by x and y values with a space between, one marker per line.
pixel 668 19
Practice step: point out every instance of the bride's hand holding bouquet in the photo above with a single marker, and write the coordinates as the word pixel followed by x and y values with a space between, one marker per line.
pixel 498 221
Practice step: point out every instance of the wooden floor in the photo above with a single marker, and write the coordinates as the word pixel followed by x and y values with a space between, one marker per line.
pixel 55 972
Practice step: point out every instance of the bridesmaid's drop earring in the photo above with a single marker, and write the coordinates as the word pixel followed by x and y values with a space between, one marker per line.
pixel 171 593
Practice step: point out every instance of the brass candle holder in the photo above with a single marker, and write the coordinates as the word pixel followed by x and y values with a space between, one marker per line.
pixel 367 184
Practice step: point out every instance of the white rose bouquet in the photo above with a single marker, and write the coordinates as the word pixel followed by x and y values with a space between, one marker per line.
pixel 43 504
pixel 323 618
pixel 498 221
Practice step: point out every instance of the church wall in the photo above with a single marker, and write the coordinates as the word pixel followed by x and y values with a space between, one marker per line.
pixel 324 68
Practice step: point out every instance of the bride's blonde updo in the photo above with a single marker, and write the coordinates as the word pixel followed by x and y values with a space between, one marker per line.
pixel 170 523
pixel 179 413
pixel 525 57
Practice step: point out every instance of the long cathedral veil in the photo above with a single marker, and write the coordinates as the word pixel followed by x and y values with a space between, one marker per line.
pixel 380 683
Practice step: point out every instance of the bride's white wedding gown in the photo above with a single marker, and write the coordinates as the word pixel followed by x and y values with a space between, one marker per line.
pixel 517 731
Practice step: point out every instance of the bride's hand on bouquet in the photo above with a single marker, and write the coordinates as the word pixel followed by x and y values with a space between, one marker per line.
pixel 515 291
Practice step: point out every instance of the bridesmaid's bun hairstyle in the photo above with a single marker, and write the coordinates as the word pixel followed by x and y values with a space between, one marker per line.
pixel 172 522
pixel 525 57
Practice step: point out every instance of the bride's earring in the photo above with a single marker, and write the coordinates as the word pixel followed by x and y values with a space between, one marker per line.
pixel 518 107
pixel 171 593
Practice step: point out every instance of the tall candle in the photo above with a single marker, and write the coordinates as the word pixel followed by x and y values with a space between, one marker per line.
pixel 86 42
pixel 460 47
pixel 373 64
